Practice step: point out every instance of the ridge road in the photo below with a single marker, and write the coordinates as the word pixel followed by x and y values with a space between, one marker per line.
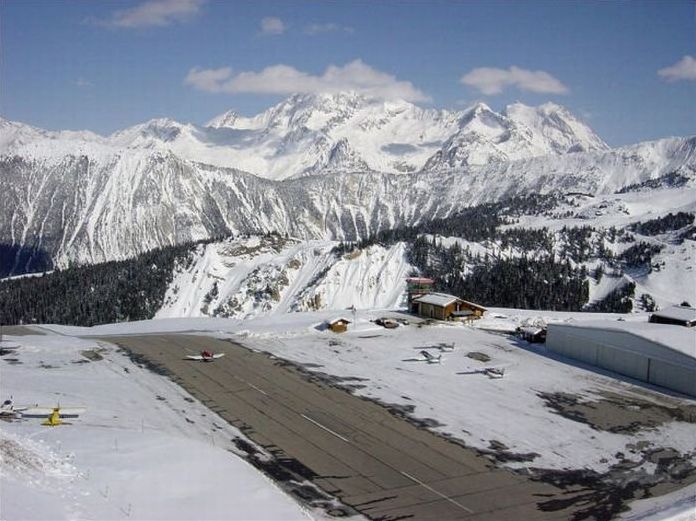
pixel 382 466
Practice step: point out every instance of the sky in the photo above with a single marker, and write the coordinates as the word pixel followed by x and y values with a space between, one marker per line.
pixel 627 68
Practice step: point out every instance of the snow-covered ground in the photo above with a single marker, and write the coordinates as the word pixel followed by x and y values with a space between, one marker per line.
pixel 679 505
pixel 144 449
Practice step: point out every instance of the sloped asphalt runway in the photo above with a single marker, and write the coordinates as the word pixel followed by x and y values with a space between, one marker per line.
pixel 381 465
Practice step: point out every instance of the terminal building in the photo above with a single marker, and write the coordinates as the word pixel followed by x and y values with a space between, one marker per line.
pixel 659 354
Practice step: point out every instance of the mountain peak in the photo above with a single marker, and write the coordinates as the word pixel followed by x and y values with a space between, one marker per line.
pixel 226 119
pixel 480 107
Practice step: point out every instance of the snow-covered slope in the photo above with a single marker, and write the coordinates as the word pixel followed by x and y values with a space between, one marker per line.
pixel 252 276
pixel 83 209
pixel 397 136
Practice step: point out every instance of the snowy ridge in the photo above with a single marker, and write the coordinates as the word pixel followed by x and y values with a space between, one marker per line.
pixel 253 276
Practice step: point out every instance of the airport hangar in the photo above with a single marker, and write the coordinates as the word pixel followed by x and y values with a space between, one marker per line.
pixel 663 355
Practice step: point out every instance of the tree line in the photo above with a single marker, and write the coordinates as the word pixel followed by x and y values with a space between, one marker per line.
pixel 117 291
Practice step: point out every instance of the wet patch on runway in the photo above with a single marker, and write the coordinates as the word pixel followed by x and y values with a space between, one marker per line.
pixel 345 383
pixel 481 357
pixel 93 355
pixel 642 468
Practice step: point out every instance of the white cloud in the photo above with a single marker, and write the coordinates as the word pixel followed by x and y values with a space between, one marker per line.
pixel 83 83
pixel 272 25
pixel 684 69
pixel 208 80
pixel 329 27
pixel 490 80
pixel 153 13
pixel 283 79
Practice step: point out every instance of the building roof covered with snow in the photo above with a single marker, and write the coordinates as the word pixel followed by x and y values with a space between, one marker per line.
pixel 437 299
pixel 663 355
pixel 678 315
pixel 673 338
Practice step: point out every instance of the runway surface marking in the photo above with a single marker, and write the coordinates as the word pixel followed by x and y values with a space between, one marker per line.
pixel 324 427
pixel 257 389
pixel 431 489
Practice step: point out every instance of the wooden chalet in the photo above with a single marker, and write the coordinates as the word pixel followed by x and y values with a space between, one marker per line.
pixel 338 325
pixel 442 306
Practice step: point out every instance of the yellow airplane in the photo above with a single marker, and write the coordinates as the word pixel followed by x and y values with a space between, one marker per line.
pixel 54 418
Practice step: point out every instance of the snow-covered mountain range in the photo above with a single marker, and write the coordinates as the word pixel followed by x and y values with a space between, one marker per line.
pixel 312 167
pixel 307 134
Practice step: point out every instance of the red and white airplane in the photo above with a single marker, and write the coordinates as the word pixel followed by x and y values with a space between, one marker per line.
pixel 205 356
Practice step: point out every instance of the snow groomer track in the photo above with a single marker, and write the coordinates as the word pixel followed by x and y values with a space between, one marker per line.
pixel 379 464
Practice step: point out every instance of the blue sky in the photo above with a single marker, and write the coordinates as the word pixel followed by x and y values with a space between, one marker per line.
pixel 628 68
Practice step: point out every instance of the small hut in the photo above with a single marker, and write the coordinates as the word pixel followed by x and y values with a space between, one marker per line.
pixel 338 325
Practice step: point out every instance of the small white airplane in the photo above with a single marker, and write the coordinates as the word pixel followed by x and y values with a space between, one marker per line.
pixel 494 372
pixel 39 411
pixel 8 411
pixel 427 357
pixel 430 358
pixel 205 356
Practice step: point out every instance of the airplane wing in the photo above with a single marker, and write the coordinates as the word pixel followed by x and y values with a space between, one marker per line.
pixel 218 355
pixel 43 412
pixel 194 357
